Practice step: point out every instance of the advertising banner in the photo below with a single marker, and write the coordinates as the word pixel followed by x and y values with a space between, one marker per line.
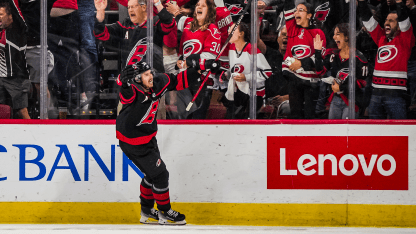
pixel 338 162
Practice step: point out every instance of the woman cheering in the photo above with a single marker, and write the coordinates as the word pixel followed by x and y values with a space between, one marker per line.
pixel 338 64
pixel 298 66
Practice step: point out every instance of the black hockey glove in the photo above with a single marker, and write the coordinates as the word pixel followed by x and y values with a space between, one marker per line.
pixel 127 74
pixel 192 61
pixel 212 65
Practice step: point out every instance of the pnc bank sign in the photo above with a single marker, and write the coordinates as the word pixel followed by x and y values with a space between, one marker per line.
pixel 338 162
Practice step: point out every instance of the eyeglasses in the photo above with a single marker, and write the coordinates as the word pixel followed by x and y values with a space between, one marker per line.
pixel 301 10
pixel 132 7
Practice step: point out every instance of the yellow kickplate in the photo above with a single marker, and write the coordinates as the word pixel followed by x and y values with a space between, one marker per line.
pixel 255 214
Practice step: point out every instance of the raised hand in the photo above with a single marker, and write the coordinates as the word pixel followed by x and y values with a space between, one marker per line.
pixel 317 42
pixel 100 5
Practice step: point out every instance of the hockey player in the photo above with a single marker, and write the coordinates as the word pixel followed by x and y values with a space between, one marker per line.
pixel 298 65
pixel 140 93
pixel 131 33
pixel 394 43
pixel 338 64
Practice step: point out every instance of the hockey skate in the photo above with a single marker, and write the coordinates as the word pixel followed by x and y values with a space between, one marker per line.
pixel 171 217
pixel 149 216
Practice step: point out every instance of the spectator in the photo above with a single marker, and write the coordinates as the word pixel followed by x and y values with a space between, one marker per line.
pixel 390 73
pixel 239 86
pixel 303 80
pixel 64 42
pixel 277 92
pixel 132 32
pixel 14 78
pixel 31 12
pixel 88 52
pixel 200 36
pixel 223 21
pixel 411 66
pixel 338 63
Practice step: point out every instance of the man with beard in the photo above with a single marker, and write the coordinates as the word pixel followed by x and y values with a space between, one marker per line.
pixel 390 73
pixel 276 86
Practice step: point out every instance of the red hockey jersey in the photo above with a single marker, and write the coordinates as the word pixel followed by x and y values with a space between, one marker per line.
pixel 300 44
pixel 390 71
pixel 207 42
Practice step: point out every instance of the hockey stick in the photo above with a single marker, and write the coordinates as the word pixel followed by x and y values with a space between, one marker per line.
pixel 219 54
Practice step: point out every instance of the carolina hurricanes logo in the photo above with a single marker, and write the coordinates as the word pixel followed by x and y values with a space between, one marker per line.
pixel 386 53
pixel 343 74
pixel 158 162
pixel 301 51
pixel 191 47
pixel 138 52
pixel 234 9
pixel 322 12
pixel 238 68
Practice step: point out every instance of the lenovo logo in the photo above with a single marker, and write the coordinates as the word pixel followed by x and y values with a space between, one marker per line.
pixel 373 163
pixel 360 162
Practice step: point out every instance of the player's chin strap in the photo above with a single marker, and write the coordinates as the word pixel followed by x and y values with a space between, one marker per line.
pixel 219 55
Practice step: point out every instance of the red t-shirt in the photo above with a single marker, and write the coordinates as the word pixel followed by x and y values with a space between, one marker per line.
pixel 67 4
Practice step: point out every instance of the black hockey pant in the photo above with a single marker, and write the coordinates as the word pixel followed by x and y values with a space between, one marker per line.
pixel 155 183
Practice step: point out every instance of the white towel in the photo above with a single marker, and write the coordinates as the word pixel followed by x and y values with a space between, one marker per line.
pixel 242 86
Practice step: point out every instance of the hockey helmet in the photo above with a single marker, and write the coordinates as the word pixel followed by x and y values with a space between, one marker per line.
pixel 139 69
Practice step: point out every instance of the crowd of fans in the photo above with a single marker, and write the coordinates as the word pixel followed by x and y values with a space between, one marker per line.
pixel 302 56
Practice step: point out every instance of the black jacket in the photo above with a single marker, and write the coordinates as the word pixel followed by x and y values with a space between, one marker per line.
pixel 133 38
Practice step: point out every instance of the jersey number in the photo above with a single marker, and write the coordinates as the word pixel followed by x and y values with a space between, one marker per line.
pixel 151 114
pixel 365 70
pixel 215 47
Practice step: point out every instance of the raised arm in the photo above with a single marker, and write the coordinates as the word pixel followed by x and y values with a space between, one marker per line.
pixel 100 6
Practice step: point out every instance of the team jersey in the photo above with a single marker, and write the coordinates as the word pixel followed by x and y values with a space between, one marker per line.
pixel 223 22
pixel 136 123
pixel 240 62
pixel 169 40
pixel 133 37
pixel 67 4
pixel 300 45
pixel 339 68
pixel 207 42
pixel 13 45
pixel 390 71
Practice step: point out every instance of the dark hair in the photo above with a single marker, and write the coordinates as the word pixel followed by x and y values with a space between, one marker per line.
pixel 308 6
pixel 310 10
pixel 209 19
pixel 6 5
pixel 243 27
pixel 344 28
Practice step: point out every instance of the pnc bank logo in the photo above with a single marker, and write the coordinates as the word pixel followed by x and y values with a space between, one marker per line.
pixel 353 163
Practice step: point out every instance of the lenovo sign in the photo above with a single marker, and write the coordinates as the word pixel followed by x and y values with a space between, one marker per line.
pixel 367 163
